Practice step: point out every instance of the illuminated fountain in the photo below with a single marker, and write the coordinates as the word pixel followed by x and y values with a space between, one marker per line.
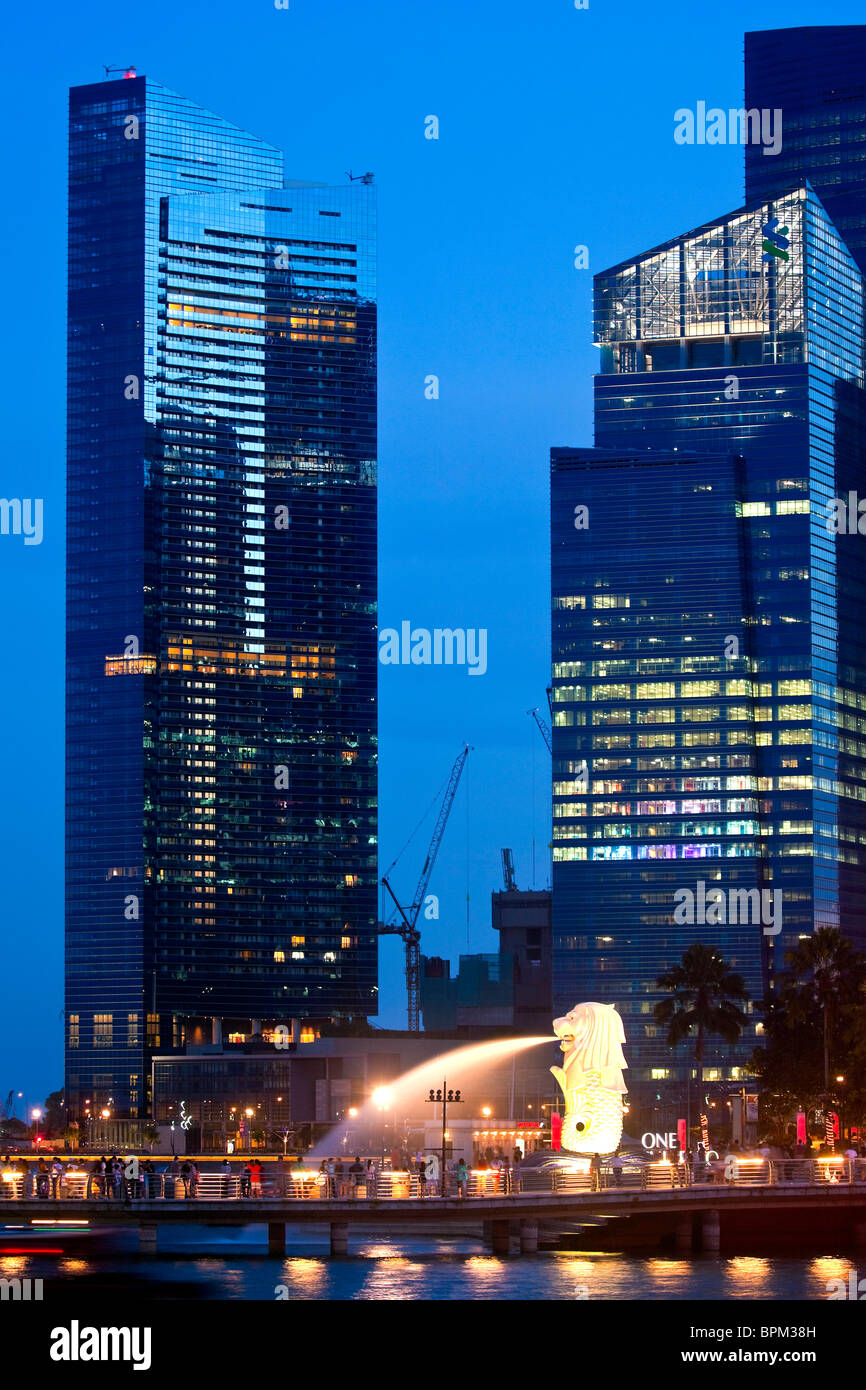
pixel 591 1080
pixel 463 1067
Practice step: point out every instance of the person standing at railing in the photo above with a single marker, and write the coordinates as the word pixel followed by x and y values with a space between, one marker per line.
pixel 505 1174
pixel 356 1174
pixel 56 1177
pixel 115 1177
pixel 96 1178
pixel 339 1178
pixel 462 1176
pixel 421 1172
pixel 595 1172
pixel 324 1178
pixel 700 1162
pixel 255 1178
pixel 186 1176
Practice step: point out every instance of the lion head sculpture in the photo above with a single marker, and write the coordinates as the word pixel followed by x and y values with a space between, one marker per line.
pixel 592 1037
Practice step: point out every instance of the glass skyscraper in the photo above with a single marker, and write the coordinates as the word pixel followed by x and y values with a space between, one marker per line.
pixel 221 651
pixel 814 76
pixel 709 676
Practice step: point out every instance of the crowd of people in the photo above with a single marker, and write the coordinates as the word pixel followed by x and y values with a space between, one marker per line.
pixel 420 1171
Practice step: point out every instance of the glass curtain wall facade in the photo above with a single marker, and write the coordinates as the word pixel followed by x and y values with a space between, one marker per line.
pixel 701 650
pixel 221 653
pixel 814 76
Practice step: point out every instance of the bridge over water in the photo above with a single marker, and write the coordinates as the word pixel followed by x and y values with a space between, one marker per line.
pixel 693 1216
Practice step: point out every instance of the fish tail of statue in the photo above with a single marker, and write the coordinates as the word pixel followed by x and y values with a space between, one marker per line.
pixel 593 1120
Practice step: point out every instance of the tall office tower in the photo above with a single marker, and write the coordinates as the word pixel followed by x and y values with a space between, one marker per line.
pixel 709 670
pixel 815 77
pixel 221 655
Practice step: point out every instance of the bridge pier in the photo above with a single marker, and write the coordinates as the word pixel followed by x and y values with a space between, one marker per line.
pixel 339 1237
pixel 859 1232
pixel 529 1236
pixel 276 1237
pixel 500 1237
pixel 683 1232
pixel 710 1232
pixel 147 1237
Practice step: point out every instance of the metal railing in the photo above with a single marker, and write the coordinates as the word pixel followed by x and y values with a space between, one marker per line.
pixel 386 1184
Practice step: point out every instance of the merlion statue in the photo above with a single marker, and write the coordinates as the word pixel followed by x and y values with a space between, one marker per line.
pixel 591 1078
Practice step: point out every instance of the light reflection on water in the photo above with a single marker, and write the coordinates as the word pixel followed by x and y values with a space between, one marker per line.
pixel 446 1270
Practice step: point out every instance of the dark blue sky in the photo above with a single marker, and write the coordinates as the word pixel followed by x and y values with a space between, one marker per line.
pixel 556 129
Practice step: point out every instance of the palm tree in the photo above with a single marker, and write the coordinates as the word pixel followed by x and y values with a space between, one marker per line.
pixel 825 971
pixel 704 993
pixel 150 1135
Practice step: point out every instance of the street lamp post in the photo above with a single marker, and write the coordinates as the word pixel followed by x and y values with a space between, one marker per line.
pixel 444 1098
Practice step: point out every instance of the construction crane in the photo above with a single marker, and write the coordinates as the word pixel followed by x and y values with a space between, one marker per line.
pixel 407 927
pixel 508 869
pixel 543 728
pixel 8 1108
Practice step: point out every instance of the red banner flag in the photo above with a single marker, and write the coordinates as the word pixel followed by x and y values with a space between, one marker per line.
pixel 555 1131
